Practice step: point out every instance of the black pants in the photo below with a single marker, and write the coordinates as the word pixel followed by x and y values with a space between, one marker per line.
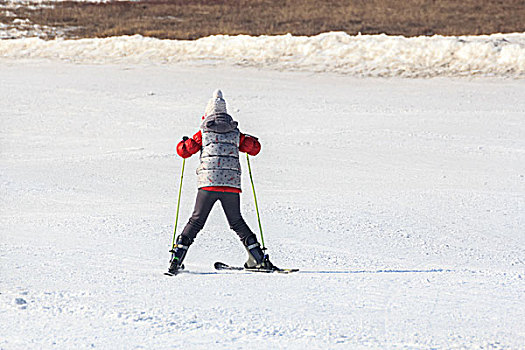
pixel 203 205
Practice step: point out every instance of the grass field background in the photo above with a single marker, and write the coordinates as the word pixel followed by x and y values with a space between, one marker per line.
pixel 183 19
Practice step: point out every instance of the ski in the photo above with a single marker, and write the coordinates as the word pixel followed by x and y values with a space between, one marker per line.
pixel 174 274
pixel 222 266
pixel 189 272
pixel 171 274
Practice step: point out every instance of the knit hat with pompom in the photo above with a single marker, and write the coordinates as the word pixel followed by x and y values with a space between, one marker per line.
pixel 216 105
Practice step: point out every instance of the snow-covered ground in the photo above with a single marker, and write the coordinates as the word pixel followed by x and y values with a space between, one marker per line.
pixel 24 28
pixel 497 55
pixel 401 201
pixel 39 4
pixel 46 3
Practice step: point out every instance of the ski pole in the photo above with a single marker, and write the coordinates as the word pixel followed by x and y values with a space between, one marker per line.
pixel 255 198
pixel 178 205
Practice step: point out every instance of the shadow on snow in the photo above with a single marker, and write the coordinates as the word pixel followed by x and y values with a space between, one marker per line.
pixel 376 271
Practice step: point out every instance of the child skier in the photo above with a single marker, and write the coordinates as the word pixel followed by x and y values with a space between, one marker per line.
pixel 219 178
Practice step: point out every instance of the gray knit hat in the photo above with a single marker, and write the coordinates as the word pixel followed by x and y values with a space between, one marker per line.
pixel 216 104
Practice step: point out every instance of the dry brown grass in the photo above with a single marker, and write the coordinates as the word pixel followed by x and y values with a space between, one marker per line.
pixel 191 19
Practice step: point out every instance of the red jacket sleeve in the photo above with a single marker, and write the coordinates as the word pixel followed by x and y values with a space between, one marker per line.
pixel 250 145
pixel 191 146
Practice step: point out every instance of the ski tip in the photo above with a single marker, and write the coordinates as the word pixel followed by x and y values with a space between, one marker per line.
pixel 222 266
pixel 172 274
pixel 219 265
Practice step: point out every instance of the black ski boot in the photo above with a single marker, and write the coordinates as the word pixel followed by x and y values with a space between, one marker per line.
pixel 178 253
pixel 256 257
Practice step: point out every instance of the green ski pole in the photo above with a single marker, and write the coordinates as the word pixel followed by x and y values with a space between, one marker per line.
pixel 178 205
pixel 255 198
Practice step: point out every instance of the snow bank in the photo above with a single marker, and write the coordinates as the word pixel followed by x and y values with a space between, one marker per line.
pixel 500 55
